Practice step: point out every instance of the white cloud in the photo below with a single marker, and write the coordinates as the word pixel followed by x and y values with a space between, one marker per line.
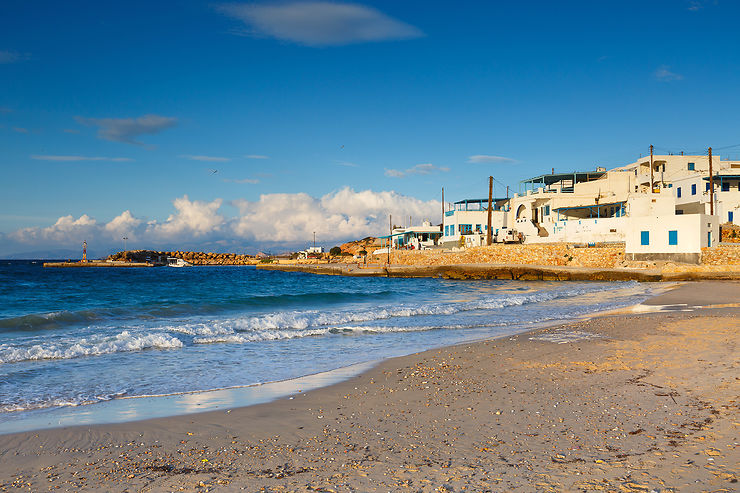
pixel 194 218
pixel 340 215
pixel 20 130
pixel 664 73
pixel 348 164
pixel 419 169
pixel 44 157
pixel 66 230
pixel 288 220
pixel 318 23
pixel 127 129
pixel 483 158
pixel 256 156
pixel 206 158
pixel 124 224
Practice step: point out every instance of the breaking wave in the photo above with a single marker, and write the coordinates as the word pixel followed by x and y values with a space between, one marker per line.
pixel 123 342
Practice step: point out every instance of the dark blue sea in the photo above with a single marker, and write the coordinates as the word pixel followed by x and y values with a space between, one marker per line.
pixel 76 337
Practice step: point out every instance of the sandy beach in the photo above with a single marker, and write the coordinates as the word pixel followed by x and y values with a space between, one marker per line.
pixel 625 402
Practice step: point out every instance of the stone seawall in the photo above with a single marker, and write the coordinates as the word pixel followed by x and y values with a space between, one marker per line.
pixel 503 272
pixel 553 254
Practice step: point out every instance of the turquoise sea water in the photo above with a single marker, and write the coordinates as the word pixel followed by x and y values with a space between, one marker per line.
pixel 75 337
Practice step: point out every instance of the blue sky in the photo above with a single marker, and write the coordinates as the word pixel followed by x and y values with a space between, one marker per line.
pixel 329 115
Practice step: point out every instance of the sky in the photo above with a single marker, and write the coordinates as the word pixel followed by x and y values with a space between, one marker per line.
pixel 240 127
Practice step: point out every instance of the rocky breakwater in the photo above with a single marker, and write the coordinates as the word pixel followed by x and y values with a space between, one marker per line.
pixel 195 258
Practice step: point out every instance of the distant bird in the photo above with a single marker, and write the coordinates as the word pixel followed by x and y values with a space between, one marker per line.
pixel 214 171
pixel 342 147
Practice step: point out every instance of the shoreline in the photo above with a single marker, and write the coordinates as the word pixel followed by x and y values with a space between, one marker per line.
pixel 520 272
pixel 124 409
pixel 436 418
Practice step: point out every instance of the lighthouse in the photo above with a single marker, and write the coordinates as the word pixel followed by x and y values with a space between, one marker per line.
pixel 84 251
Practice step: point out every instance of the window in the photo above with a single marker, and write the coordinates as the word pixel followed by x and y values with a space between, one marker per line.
pixel 725 186
pixel 706 189
pixel 691 166
pixel 678 192
pixel 644 238
pixel 547 210
pixel 730 217
pixel 679 212
pixel 693 189
pixel 673 237
pixel 466 229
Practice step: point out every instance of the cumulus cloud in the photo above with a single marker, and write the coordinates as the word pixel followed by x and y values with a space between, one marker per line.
pixel 46 157
pixel 193 218
pixel 664 73
pixel 483 158
pixel 419 169
pixel 281 219
pixel 344 214
pixel 256 156
pixel 320 23
pixel 206 158
pixel 126 130
pixel 124 224
pixel 65 231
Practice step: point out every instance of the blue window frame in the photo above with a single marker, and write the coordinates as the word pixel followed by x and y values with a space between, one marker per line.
pixel 693 189
pixel 678 192
pixel 673 237
pixel 644 238
pixel 547 210
pixel 725 186
pixel 691 166
pixel 707 187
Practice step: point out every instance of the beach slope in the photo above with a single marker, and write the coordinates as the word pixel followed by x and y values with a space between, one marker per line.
pixel 625 402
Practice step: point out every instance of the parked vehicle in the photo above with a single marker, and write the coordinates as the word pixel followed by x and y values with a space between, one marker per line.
pixel 506 235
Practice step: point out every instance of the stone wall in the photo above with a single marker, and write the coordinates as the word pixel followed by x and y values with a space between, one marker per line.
pixel 533 254
pixel 721 255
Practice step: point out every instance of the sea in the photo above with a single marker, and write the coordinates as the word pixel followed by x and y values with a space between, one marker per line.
pixel 77 341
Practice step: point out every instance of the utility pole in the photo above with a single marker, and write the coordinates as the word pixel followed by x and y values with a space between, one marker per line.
pixel 443 205
pixel 314 239
pixel 390 238
pixel 490 200
pixel 124 243
pixel 651 169
pixel 711 185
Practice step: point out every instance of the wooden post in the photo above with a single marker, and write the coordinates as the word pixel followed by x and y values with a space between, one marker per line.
pixel 489 239
pixel 443 206
pixel 651 169
pixel 390 238
pixel 711 185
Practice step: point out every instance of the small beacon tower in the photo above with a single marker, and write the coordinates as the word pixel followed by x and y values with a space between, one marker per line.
pixel 84 251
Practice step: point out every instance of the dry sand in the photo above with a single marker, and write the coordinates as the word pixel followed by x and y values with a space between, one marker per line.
pixel 620 403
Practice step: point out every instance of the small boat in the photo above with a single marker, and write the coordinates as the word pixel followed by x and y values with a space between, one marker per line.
pixel 177 262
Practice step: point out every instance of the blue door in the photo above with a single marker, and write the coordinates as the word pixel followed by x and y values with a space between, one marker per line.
pixel 730 216
pixel 709 238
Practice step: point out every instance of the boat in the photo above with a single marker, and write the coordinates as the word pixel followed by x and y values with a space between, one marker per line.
pixel 177 262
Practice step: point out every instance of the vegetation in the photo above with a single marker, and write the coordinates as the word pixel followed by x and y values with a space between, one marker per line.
pixel 335 251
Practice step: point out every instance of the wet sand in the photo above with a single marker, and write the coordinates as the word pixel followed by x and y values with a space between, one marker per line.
pixel 616 403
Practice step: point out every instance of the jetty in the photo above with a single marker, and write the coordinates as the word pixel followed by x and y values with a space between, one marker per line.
pixel 98 263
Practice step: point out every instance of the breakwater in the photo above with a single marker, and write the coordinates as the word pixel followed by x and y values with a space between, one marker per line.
pixel 97 263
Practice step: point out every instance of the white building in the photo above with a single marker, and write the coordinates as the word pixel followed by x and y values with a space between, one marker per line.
pixel 613 206
pixel 417 237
